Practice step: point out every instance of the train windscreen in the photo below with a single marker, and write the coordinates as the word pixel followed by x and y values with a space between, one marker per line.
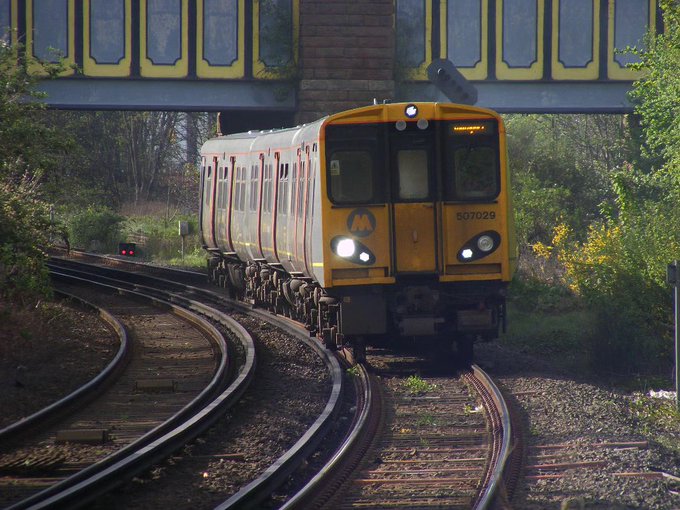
pixel 471 161
pixel 354 160
pixel 378 163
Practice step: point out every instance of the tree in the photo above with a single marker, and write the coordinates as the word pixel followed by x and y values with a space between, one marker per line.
pixel 561 169
pixel 27 149
pixel 657 95
pixel 620 268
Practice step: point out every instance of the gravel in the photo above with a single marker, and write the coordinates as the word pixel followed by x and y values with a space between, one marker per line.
pixel 555 406
pixel 79 341
pixel 558 409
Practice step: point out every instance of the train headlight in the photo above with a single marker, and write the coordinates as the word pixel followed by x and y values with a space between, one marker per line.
pixel 352 250
pixel 485 243
pixel 345 248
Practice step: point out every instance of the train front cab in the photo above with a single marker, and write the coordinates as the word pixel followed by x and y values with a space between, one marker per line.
pixel 417 221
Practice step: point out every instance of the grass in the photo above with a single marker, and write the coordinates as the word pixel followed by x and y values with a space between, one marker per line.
pixel 353 371
pixel 657 418
pixel 417 386
pixel 426 420
pixel 549 334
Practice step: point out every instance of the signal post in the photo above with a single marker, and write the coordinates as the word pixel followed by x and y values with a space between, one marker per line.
pixel 674 279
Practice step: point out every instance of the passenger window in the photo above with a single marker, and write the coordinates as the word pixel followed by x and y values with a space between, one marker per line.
pixel 283 189
pixel 413 174
pixel 237 189
pixel 254 182
pixel 351 176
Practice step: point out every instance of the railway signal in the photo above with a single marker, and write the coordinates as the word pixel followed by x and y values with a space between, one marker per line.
pixel 127 249
pixel 451 82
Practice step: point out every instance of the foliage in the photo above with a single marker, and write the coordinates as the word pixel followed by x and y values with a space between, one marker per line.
pixel 614 257
pixel 95 228
pixel 619 271
pixel 418 386
pixel 27 149
pixel 26 144
pixel 561 167
pixel 161 240
pixel 24 227
pixel 655 418
pixel 126 156
pixel 657 94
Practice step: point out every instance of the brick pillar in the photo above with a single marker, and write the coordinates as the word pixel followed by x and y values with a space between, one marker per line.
pixel 346 55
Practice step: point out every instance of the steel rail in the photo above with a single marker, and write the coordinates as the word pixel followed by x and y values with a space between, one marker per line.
pixel 51 412
pixel 491 492
pixel 317 490
pixel 166 438
pixel 277 474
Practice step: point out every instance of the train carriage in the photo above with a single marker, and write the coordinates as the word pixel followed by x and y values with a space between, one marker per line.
pixel 387 220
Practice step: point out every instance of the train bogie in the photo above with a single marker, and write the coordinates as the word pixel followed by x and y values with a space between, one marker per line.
pixel 385 220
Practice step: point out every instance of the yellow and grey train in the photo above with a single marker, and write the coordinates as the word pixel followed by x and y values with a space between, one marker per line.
pixel 391 220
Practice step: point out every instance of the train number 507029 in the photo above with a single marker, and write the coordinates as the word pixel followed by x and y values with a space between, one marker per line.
pixel 475 215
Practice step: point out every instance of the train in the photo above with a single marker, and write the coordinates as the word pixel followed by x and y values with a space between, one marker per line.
pixel 385 221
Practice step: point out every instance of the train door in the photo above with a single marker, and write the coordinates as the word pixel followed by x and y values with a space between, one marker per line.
pixel 208 203
pixel 413 199
pixel 301 209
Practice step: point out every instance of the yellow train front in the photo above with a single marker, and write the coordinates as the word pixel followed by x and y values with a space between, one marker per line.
pixel 404 228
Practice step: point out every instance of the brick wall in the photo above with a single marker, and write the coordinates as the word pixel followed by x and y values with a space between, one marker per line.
pixel 346 55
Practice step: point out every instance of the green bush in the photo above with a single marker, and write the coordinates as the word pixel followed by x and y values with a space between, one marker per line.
pixel 24 230
pixel 619 271
pixel 95 229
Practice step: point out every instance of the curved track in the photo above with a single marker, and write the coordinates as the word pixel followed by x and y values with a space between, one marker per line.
pixel 480 450
pixel 280 471
pixel 141 441
pixel 52 412
pixel 444 447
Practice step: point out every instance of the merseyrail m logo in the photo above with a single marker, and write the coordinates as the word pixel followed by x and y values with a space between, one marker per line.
pixel 361 222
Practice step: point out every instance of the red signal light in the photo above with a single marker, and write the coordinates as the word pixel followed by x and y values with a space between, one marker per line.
pixel 127 249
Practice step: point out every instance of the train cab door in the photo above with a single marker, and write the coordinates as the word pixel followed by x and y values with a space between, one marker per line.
pixel 413 200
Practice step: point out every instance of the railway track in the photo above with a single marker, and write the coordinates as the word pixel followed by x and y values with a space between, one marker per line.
pixel 406 467
pixel 173 386
pixel 279 471
pixel 419 443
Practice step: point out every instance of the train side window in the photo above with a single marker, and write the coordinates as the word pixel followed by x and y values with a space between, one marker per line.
pixel 293 189
pixel 219 188
pixel 301 188
pixel 242 185
pixel 207 191
pixel 283 188
pixel 351 176
pixel 254 181
pixel 266 189
pixel 237 189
